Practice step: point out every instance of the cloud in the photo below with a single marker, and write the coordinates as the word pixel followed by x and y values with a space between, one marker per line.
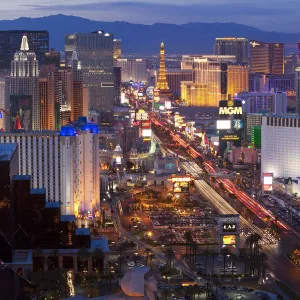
pixel 278 16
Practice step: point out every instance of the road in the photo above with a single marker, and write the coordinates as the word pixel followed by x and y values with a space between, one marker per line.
pixel 282 268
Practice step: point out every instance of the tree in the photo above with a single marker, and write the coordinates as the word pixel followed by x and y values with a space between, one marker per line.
pixel 83 254
pixel 170 256
pixel 98 254
pixel 189 240
pixel 225 252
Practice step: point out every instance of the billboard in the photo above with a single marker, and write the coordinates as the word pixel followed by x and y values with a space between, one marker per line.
pixel 229 240
pixel 223 124
pixel 268 182
pixel 230 137
pixel 229 227
pixel 141 115
pixel 21 112
pixel 146 133
pixel 181 187
pixel 146 124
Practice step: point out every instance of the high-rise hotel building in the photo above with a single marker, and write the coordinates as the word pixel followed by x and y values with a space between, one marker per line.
pixel 10 41
pixel 95 51
pixel 266 57
pixel 214 78
pixel 280 137
pixel 24 81
pixel 232 46
pixel 65 163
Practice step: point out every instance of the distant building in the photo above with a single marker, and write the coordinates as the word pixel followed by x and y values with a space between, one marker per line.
pixel 209 84
pixel 9 166
pixel 275 103
pixel 52 58
pixel 95 51
pixel 290 63
pixel 252 120
pixel 237 79
pixel 266 57
pixel 187 61
pixel 10 41
pixel 256 136
pixel 24 89
pixel 232 46
pixel 117 48
pixel 259 82
pixel 297 88
pixel 133 69
pixel 38 156
pixel 175 77
pixel 4 103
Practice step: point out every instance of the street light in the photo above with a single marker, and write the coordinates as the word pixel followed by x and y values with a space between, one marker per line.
pixel 135 257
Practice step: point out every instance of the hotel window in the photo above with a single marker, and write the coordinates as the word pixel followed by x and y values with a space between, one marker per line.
pixel 271 121
pixel 268 121
pixel 275 121
pixel 279 122
pixel 283 122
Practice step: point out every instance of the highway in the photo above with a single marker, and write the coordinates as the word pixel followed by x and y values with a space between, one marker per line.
pixel 282 268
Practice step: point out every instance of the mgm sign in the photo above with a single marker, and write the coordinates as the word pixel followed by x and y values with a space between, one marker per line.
pixel 230 108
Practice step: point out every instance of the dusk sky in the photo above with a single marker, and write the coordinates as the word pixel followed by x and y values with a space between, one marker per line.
pixel 277 15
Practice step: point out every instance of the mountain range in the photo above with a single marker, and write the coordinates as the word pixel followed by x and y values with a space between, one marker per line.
pixel 187 38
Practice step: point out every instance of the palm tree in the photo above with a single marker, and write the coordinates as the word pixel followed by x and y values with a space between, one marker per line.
pixel 84 254
pixel 120 249
pixel 189 240
pixel 206 252
pixel 225 252
pixel 98 254
pixel 170 256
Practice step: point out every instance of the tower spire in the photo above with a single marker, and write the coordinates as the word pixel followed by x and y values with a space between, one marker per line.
pixel 162 83
pixel 24 44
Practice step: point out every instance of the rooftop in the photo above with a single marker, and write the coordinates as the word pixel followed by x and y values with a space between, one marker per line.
pixel 67 218
pixel 38 191
pixel 7 151
pixel 82 231
pixel 22 177
pixel 52 204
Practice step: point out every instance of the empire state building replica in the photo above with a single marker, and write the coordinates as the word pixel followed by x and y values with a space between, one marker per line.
pixel 162 86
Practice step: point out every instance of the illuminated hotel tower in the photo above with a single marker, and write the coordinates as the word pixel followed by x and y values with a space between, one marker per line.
pixel 162 83
pixel 24 82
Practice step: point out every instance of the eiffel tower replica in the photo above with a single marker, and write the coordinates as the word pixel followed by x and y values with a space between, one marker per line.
pixel 162 84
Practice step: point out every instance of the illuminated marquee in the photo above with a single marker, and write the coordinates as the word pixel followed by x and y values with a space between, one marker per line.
pixel 181 179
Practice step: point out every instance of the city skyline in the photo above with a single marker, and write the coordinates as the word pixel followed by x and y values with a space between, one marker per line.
pixel 258 13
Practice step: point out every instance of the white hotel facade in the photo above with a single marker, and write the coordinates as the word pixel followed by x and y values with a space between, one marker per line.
pixel 66 166
pixel 280 138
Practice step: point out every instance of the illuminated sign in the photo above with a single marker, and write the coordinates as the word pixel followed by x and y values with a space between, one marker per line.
pixel 146 133
pixel 229 227
pixel 181 179
pixel 268 182
pixel 146 124
pixel 223 124
pixel 229 240
pixel 238 124
pixel 141 115
pixel 181 187
pixel 230 111
pixel 230 137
